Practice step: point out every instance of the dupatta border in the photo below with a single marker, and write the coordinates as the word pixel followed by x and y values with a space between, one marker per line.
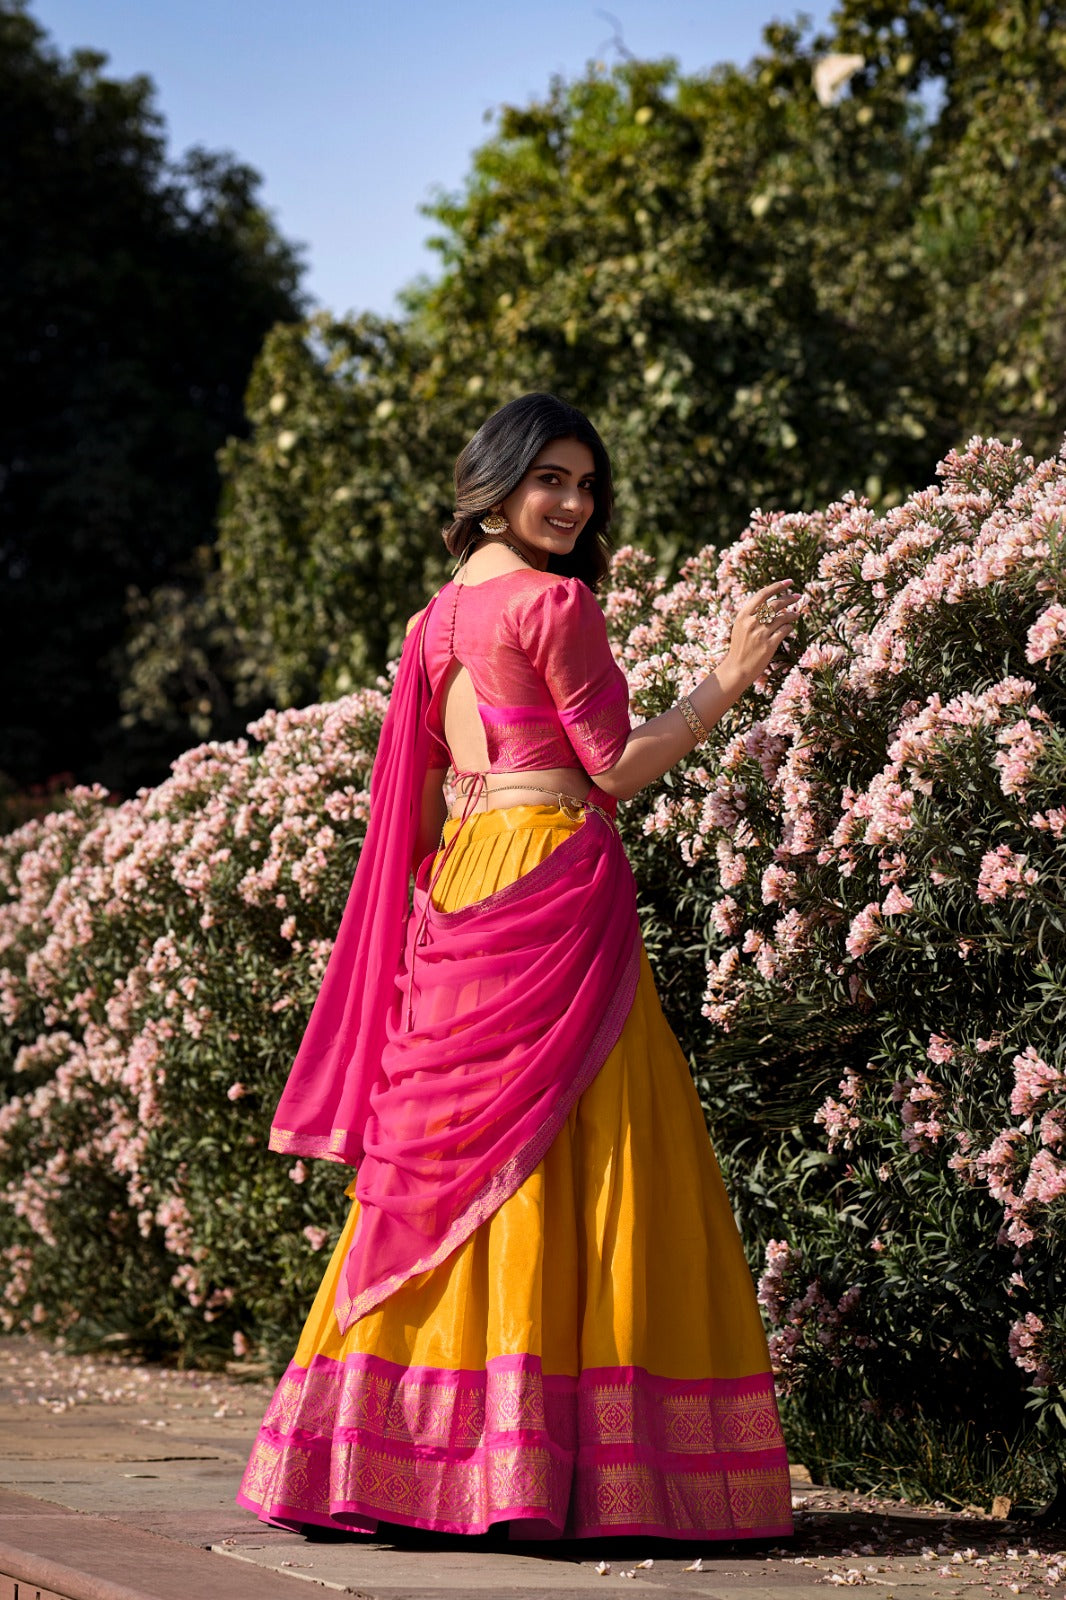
pixel 316 1146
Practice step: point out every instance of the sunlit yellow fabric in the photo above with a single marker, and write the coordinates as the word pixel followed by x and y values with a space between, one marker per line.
pixel 620 1249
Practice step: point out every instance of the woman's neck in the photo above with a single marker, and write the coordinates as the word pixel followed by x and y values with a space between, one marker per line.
pixel 494 556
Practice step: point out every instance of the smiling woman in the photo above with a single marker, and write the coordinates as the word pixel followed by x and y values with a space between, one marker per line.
pixel 539 1313
pixel 537 472
pixel 552 504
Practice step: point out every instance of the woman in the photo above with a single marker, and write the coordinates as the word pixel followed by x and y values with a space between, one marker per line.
pixel 539 1311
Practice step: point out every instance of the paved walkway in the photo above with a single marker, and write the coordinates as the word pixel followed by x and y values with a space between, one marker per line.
pixel 117 1483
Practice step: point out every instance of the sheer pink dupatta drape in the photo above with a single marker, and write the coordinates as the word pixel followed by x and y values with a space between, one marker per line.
pixel 326 1100
pixel 518 1001
pixel 447 1104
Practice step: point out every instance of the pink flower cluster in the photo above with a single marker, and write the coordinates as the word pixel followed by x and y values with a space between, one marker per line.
pixel 808 1326
pixel 1004 873
pixel 1024 1166
pixel 921 1102
pixel 1047 636
pixel 1034 1079
pixel 840 1118
pixel 1025 1342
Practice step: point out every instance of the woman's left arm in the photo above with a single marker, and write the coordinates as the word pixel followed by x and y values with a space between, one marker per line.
pixel 433 815
pixel 570 648
pixel 660 743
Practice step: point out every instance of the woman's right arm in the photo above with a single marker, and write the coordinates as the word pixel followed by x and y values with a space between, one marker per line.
pixel 659 744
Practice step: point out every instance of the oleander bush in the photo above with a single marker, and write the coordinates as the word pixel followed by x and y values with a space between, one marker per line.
pixel 853 894
pixel 159 960
pixel 869 853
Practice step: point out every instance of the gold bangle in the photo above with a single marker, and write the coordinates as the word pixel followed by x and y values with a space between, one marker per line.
pixel 691 716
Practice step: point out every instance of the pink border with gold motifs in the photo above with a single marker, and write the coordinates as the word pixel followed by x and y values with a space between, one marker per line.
pixel 616 1450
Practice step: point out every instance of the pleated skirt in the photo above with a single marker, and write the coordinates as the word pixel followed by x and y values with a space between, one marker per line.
pixel 590 1361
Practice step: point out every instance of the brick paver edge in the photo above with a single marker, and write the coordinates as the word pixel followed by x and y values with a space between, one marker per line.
pixel 24 1567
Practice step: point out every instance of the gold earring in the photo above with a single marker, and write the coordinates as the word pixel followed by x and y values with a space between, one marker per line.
pixel 495 523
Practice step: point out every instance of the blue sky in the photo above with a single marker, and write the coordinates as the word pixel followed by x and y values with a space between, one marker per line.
pixel 354 112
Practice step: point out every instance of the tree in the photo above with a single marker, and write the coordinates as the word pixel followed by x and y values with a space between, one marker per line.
pixel 761 299
pixel 659 248
pixel 328 534
pixel 134 295
pixel 989 230
pixel 613 243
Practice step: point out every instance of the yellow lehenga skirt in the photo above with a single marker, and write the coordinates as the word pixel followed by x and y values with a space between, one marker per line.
pixel 590 1361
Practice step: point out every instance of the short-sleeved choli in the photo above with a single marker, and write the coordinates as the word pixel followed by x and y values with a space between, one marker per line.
pixel 548 689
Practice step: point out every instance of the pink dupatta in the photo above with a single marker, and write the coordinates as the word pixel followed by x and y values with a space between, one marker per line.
pixel 446 1049
pixel 326 1101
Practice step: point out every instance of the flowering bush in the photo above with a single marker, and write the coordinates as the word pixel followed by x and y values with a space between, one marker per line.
pixel 158 962
pixel 854 895
pixel 870 853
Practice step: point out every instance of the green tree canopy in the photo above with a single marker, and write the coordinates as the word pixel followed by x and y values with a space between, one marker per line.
pixel 760 299
pixel 134 296
pixel 988 233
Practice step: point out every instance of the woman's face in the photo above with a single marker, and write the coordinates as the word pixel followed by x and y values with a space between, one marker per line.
pixel 553 502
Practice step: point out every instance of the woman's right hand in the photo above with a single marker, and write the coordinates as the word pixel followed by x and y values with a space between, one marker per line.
pixel 753 644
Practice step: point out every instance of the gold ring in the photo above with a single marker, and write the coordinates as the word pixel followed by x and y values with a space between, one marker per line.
pixel 766 613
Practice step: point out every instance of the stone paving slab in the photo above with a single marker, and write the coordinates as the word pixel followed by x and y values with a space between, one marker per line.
pixel 114 1453
pixel 850 1547
pixel 82 1557
pixel 433 1570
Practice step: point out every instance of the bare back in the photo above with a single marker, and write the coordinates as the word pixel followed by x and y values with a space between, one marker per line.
pixel 465 732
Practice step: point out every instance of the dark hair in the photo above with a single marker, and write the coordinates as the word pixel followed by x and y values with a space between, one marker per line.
pixel 498 458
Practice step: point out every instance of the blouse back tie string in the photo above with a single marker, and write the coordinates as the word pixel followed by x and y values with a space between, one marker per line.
pixel 478 787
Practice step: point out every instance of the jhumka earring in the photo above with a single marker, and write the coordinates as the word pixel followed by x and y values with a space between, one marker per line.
pixel 495 523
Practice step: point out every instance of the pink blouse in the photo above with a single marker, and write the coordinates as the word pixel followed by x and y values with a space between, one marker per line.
pixel 548 689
